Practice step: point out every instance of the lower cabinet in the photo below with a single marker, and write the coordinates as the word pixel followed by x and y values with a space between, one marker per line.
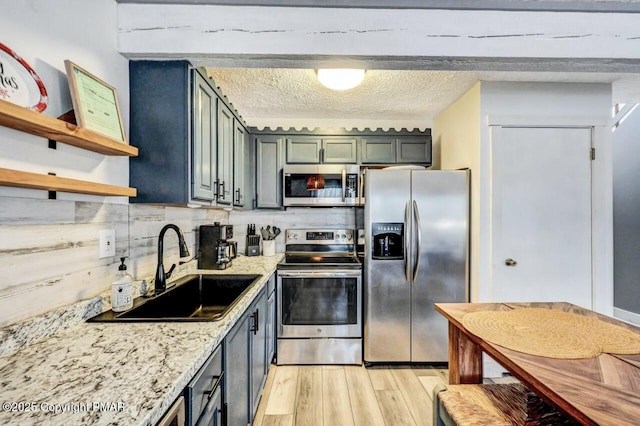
pixel 271 319
pixel 257 343
pixel 245 363
pixel 203 394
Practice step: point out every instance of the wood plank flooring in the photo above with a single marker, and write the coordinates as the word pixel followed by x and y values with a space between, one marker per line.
pixel 348 395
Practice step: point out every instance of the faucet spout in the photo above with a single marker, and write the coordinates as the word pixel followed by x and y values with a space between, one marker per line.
pixel 161 276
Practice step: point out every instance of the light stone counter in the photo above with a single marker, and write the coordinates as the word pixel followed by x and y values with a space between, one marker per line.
pixel 135 370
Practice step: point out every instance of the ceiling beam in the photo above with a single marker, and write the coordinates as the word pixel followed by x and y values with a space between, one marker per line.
pixel 610 6
pixel 245 36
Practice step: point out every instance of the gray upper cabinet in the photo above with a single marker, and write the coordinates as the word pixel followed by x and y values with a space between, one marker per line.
pixel 378 150
pixel 269 161
pixel 173 124
pixel 303 150
pixel 413 150
pixel 226 130
pixel 395 150
pixel 339 150
pixel 242 167
pixel 316 150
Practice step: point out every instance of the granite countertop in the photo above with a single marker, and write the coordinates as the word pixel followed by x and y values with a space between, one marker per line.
pixel 114 373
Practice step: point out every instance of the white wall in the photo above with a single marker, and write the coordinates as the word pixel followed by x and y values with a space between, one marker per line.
pixel 45 33
pixel 49 248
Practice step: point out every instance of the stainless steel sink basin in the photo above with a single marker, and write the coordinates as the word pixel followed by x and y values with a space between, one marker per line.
pixel 191 298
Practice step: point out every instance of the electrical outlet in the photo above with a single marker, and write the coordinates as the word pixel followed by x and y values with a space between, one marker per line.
pixel 107 243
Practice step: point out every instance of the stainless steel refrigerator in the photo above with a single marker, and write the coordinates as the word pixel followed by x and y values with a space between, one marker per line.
pixel 416 254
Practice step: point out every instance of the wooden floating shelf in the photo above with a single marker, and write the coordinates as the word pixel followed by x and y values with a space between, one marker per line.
pixel 19 118
pixel 21 179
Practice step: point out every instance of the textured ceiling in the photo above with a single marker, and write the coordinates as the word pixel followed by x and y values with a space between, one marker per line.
pixel 277 97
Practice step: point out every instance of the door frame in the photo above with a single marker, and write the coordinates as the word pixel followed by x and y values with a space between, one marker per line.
pixel 500 141
pixel 601 204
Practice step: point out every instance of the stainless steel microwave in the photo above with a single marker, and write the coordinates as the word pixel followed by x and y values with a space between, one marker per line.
pixel 327 185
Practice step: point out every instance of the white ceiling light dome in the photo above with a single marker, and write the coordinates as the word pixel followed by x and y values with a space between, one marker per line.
pixel 340 78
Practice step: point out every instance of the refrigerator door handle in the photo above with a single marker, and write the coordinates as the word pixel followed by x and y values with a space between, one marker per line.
pixel 418 226
pixel 407 267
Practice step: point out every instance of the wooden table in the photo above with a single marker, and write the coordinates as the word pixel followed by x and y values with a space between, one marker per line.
pixel 597 391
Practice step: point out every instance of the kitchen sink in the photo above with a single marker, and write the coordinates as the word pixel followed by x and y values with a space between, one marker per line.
pixel 191 298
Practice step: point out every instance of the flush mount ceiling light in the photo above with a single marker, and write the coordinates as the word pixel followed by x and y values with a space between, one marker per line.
pixel 340 78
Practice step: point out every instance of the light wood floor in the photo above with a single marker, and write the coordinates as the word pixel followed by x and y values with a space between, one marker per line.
pixel 348 395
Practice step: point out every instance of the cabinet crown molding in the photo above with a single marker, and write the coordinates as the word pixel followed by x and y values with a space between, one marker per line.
pixel 343 131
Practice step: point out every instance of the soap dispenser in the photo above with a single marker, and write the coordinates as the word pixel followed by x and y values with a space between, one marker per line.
pixel 122 289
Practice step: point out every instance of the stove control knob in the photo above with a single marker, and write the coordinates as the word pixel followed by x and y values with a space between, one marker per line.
pixel 343 236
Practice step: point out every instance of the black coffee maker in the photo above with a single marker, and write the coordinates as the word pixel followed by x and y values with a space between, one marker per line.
pixel 216 250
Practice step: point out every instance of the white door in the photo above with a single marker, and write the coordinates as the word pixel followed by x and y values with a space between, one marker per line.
pixel 541 215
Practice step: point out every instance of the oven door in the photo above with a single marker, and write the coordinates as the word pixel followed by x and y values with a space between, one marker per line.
pixel 321 185
pixel 319 303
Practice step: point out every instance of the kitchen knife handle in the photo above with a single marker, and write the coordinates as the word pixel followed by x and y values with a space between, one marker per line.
pixel 418 233
pixel 407 269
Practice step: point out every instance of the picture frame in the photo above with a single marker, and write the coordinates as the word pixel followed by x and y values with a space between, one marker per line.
pixel 95 103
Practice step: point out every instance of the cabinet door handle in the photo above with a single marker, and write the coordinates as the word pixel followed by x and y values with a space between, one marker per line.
pixel 221 189
pixel 216 385
pixel 216 188
pixel 238 196
pixel 255 327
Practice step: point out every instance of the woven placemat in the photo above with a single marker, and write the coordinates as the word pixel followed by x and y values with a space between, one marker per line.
pixel 551 333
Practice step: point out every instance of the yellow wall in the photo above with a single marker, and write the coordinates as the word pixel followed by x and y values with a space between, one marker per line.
pixel 456 131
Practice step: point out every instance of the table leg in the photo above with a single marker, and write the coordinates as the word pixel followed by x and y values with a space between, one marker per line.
pixel 465 358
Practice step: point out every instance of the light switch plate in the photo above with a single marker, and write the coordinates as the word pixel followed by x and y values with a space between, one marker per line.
pixel 107 243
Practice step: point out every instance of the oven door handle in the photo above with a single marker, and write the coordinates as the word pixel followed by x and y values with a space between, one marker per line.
pixel 320 274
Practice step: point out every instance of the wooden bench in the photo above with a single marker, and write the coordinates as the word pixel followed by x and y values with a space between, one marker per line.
pixel 493 404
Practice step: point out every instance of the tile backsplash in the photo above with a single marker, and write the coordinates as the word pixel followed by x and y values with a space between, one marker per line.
pixel 49 249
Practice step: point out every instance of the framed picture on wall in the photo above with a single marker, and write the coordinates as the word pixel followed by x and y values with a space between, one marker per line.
pixel 95 103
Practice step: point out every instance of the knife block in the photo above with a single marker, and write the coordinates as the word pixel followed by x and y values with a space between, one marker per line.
pixel 253 245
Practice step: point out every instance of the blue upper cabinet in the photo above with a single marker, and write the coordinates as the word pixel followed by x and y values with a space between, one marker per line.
pixel 204 140
pixel 189 135
pixel 173 122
